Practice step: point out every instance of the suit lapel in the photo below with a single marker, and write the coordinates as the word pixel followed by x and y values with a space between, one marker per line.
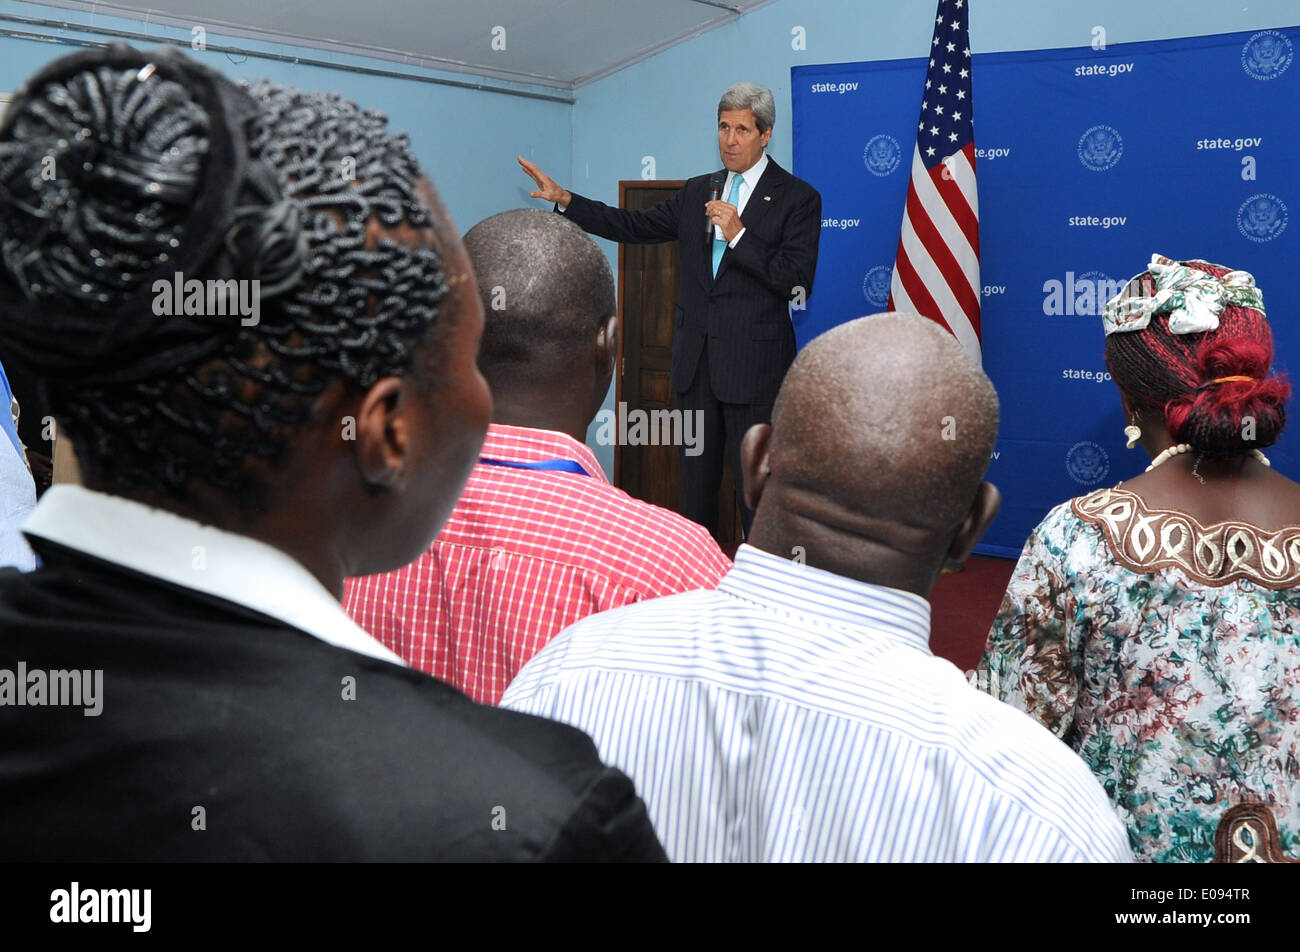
pixel 766 194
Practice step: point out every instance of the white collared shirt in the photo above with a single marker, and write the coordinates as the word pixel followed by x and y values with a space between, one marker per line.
pixel 748 182
pixel 183 552
pixel 797 715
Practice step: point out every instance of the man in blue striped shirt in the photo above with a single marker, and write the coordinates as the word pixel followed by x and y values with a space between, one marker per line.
pixel 796 712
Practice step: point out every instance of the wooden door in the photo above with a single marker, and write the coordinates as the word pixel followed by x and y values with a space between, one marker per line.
pixel 647 293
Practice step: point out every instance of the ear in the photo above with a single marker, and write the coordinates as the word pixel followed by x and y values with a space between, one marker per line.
pixel 755 462
pixel 607 345
pixel 383 433
pixel 988 500
pixel 767 137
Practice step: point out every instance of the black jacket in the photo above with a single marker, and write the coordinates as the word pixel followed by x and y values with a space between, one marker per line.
pixel 742 315
pixel 218 717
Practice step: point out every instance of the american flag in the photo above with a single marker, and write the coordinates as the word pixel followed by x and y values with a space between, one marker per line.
pixel 937 271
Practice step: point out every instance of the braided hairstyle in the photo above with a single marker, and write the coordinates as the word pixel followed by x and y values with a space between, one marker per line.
pixel 1175 374
pixel 164 169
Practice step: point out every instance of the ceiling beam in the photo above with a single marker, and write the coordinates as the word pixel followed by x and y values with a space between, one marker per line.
pixel 253 54
pixel 723 6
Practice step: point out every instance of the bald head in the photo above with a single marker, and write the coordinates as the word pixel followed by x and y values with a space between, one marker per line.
pixel 873 466
pixel 546 291
pixel 889 416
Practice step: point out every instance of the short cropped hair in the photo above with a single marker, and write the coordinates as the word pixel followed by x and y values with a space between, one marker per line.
pixel 546 288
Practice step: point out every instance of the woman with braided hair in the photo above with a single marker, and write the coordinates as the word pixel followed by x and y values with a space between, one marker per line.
pixel 1155 626
pixel 237 464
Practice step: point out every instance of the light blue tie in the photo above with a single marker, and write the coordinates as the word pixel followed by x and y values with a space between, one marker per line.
pixel 720 244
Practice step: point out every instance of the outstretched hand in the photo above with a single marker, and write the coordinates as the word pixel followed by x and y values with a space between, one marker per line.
pixel 546 187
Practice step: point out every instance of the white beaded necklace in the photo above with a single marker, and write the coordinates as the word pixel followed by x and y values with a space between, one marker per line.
pixel 1187 448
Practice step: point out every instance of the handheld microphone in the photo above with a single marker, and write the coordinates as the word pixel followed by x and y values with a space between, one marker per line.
pixel 716 181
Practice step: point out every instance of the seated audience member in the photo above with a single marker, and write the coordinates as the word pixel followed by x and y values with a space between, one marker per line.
pixel 17 489
pixel 796 712
pixel 539 537
pixel 1155 626
pixel 193 688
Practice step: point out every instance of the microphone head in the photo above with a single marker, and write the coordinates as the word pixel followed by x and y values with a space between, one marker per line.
pixel 716 181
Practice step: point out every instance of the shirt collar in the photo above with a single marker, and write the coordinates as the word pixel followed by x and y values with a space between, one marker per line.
pixel 168 547
pixel 791 587
pixel 752 174
pixel 524 444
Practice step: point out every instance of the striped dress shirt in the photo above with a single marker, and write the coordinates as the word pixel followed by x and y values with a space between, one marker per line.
pixel 525 554
pixel 793 714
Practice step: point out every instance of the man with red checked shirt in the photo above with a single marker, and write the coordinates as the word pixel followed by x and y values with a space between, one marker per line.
pixel 540 538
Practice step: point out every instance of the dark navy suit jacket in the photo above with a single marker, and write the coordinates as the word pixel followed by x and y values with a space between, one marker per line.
pixel 741 316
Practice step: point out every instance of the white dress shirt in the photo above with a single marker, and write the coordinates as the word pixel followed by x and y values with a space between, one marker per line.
pixel 748 182
pixel 200 557
pixel 794 714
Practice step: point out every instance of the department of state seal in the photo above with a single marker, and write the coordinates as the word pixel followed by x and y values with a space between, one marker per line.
pixel 1262 217
pixel 882 155
pixel 1087 463
pixel 1100 148
pixel 1267 55
pixel 875 286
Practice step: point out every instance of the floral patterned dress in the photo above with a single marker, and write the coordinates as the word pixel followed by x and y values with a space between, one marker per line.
pixel 1167 654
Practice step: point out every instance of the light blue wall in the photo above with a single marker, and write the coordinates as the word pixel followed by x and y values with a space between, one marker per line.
pixel 665 107
pixel 466 140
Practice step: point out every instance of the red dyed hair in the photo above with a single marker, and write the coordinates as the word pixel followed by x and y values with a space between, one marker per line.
pixel 1175 374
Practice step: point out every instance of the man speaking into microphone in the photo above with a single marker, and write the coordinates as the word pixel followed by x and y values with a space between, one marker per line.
pixel 747 246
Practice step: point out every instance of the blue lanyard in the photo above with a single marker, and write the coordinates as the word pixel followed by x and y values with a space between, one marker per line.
pixel 560 465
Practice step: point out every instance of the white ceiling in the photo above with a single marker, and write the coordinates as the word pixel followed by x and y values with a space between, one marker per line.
pixel 560 43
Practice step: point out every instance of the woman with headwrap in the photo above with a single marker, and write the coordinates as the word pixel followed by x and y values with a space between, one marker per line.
pixel 1155 626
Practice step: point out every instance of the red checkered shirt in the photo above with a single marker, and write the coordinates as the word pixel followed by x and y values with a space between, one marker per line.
pixel 525 554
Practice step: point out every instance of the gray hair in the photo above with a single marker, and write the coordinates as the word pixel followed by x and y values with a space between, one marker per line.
pixel 754 98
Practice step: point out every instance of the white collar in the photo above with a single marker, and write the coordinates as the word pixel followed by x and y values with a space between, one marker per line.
pixel 752 174
pixel 170 547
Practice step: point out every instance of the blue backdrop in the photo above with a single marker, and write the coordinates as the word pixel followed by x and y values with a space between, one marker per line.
pixel 1087 161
